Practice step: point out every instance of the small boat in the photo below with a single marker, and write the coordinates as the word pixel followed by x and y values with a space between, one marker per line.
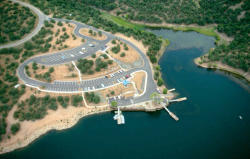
pixel 240 117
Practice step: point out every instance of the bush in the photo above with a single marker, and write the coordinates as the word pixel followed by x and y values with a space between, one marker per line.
pixel 110 62
pixel 113 41
pixel 15 128
pixel 125 47
pixel 116 49
pixel 92 97
pixel 34 66
pixel 93 56
pixel 99 33
pixel 122 54
pixel 76 99
pixel 165 91
pixel 160 82
pixel 105 56
pixel 114 104
pixel 51 69
pixel 60 23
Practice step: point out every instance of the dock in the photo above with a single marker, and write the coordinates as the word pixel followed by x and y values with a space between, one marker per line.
pixel 171 90
pixel 171 114
pixel 178 100
pixel 119 116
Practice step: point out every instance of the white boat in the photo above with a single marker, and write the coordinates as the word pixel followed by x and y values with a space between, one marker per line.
pixel 240 117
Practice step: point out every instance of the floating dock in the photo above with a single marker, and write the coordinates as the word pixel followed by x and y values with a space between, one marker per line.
pixel 119 117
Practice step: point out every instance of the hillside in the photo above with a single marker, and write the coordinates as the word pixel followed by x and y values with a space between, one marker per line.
pixel 231 18
pixel 16 21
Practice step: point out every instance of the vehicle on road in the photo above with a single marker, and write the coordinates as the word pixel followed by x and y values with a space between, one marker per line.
pixel 91 45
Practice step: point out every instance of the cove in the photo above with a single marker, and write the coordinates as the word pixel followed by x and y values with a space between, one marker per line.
pixel 209 126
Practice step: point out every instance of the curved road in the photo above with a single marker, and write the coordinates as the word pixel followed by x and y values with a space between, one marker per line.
pixel 87 85
pixel 41 18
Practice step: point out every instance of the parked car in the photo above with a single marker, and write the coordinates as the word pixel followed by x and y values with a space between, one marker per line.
pixel 91 45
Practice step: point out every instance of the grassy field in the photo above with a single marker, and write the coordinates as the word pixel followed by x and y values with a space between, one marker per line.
pixel 122 22
pixel 209 31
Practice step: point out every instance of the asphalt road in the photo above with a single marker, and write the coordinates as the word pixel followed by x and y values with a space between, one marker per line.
pixel 67 56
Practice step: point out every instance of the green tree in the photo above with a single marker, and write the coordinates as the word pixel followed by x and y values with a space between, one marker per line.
pixel 165 91
pixel 51 69
pixel 15 128
pixel 114 104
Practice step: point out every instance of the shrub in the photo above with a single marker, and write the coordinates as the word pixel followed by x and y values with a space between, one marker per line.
pixel 160 82
pixel 51 69
pixel 93 56
pixel 113 41
pixel 114 104
pixel 60 23
pixel 99 33
pixel 15 128
pixel 116 49
pixel 34 66
pixel 122 54
pixel 165 91
pixel 92 97
pixel 110 62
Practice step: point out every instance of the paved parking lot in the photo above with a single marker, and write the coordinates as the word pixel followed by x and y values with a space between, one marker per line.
pixel 77 53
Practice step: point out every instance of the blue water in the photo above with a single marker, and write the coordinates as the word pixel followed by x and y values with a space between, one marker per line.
pixel 209 126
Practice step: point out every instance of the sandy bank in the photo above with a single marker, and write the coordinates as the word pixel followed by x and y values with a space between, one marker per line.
pixel 59 120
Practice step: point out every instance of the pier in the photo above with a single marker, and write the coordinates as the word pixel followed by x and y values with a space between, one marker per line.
pixel 178 100
pixel 171 114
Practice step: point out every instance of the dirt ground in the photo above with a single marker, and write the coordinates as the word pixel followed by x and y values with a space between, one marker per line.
pixel 119 89
pixel 85 31
pixel 70 42
pixel 64 72
pixel 131 55
pixel 138 79
pixel 137 43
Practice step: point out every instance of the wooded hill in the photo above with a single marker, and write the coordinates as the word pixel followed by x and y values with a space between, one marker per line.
pixel 15 21
pixel 231 16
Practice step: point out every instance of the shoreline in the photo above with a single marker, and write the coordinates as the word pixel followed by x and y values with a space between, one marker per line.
pixel 68 122
pixel 36 129
pixel 61 124
pixel 223 67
